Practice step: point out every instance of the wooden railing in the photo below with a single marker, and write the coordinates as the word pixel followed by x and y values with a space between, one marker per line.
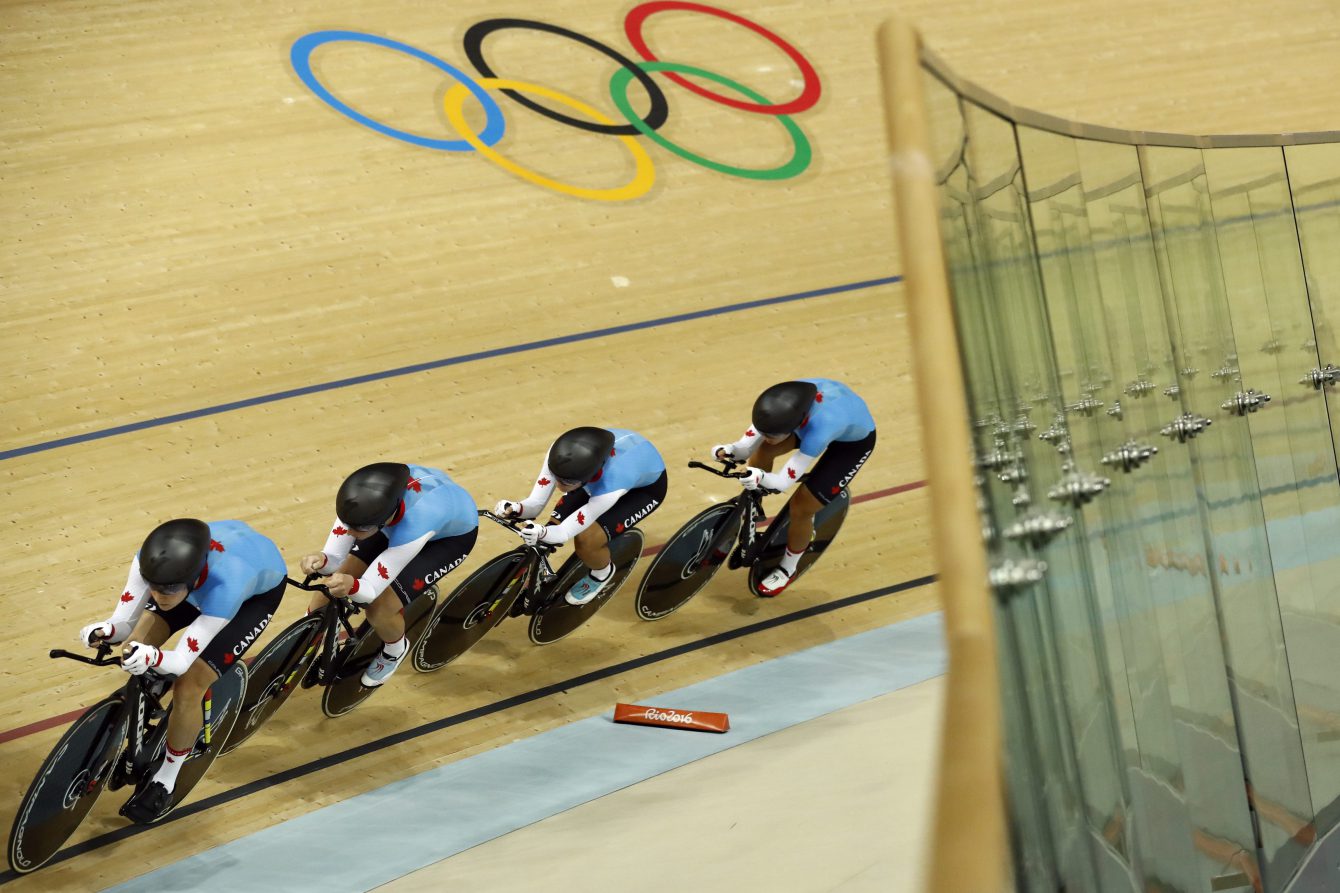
pixel 969 853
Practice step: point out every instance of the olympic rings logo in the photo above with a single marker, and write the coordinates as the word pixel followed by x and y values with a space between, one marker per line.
pixel 484 141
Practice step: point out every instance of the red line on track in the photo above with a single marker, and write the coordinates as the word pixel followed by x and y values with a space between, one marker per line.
pixel 44 724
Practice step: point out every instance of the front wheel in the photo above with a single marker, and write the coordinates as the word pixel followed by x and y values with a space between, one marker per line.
pixel 689 559
pixel 67 784
pixel 273 676
pixel 557 618
pixel 223 703
pixel 827 522
pixel 471 610
pixel 346 689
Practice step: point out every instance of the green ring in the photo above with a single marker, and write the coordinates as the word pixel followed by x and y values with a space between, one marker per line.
pixel 800 159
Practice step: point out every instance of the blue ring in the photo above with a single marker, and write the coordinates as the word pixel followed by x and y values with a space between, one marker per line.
pixel 300 57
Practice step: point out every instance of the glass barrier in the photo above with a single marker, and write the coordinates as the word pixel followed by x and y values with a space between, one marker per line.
pixel 1148 332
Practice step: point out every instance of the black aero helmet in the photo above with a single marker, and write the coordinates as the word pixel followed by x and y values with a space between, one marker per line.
pixel 782 408
pixel 578 454
pixel 371 495
pixel 174 552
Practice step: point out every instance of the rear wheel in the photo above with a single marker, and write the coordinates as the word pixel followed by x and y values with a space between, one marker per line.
pixel 346 689
pixel 273 676
pixel 558 618
pixel 471 610
pixel 827 523
pixel 689 559
pixel 67 784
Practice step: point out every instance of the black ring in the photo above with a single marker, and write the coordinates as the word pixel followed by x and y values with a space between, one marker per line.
pixel 474 50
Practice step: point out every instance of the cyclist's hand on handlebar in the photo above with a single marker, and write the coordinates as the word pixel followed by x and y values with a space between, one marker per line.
pixel 339 585
pixel 138 658
pixel 95 634
pixel 505 509
pixel 313 563
pixel 752 479
pixel 532 533
pixel 724 452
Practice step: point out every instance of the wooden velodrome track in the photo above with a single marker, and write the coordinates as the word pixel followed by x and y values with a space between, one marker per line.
pixel 191 232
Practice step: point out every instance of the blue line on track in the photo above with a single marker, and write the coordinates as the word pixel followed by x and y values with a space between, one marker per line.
pixel 439 364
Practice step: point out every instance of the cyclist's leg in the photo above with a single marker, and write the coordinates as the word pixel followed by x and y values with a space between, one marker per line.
pixel 151 628
pixel 592 544
pixel 225 649
pixel 435 560
pixel 837 467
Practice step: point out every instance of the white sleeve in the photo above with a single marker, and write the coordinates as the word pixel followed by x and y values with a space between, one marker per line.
pixel 385 568
pixel 784 480
pixel 745 446
pixel 533 504
pixel 584 517
pixel 337 547
pixel 193 641
pixel 131 604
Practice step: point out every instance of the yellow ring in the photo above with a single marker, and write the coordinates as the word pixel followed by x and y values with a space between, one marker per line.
pixel 643 177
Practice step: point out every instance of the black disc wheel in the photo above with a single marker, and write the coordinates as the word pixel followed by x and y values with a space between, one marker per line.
pixel 346 690
pixel 471 610
pixel 827 522
pixel 558 618
pixel 223 703
pixel 273 676
pixel 67 784
pixel 688 561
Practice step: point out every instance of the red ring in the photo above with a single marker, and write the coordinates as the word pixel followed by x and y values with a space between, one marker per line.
pixel 808 97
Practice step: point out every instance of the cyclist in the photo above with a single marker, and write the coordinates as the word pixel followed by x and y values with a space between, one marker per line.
pixel 610 479
pixel 220 582
pixel 812 416
pixel 398 530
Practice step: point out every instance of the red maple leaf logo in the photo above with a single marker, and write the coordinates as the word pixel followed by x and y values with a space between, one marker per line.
pixel 836 490
pixel 581 519
pixel 339 531
pixel 543 482
pixel 382 572
pixel 749 432
pixel 791 473
pixel 192 644
pixel 228 658
pixel 418 584
pixel 819 397
pixel 215 546
pixel 619 528
pixel 127 597
pixel 414 485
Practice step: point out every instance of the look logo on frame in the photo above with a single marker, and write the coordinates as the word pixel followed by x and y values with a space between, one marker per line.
pixel 528 94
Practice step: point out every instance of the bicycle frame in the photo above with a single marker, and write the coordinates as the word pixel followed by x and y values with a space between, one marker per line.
pixel 750 504
pixel 539 572
pixel 141 698
pixel 335 614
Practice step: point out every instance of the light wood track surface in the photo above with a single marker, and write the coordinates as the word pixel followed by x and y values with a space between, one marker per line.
pixel 187 225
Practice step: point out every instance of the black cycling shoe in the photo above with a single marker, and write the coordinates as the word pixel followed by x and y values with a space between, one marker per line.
pixel 148 804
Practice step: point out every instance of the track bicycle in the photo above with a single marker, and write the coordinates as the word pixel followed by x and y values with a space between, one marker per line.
pixel 516 583
pixel 118 741
pixel 727 533
pixel 322 649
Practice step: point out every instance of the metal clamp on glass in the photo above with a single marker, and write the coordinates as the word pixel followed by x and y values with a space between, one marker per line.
pixel 1038 528
pixel 1186 426
pixel 1141 387
pixel 1013 574
pixel 1129 456
pixel 1244 402
pixel 1078 488
pixel 1320 378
